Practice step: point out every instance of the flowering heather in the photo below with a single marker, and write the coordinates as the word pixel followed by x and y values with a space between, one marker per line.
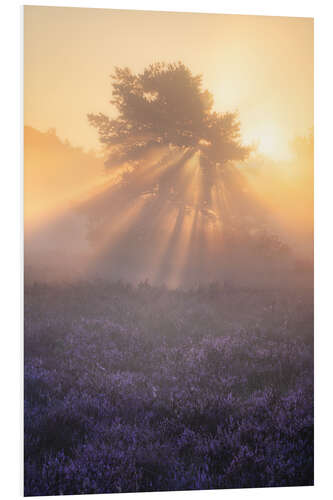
pixel 147 389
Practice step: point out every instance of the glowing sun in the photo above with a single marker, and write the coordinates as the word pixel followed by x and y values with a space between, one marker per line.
pixel 271 141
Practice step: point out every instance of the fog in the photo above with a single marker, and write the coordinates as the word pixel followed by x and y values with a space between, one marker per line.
pixel 175 190
pixel 83 220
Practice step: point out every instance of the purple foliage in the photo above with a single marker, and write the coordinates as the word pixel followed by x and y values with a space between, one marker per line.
pixel 146 389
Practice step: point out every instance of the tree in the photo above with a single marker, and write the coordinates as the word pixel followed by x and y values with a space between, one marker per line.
pixel 165 105
pixel 165 114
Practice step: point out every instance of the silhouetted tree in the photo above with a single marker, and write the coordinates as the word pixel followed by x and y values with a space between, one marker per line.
pixel 303 147
pixel 165 114
pixel 166 105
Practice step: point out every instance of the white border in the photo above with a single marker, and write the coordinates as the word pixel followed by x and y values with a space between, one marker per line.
pixel 11 210
pixel 294 8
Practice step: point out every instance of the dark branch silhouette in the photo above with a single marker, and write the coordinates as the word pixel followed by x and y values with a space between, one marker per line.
pixel 181 156
pixel 166 105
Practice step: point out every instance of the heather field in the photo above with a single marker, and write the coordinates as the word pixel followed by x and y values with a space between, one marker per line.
pixel 148 389
pixel 168 251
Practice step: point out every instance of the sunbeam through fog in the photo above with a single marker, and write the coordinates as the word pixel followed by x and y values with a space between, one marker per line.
pixel 168 251
pixel 178 191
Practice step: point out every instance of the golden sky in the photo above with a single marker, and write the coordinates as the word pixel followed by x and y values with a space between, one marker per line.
pixel 262 66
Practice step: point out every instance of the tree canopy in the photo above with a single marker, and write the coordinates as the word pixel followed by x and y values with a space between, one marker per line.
pixel 166 105
pixel 181 201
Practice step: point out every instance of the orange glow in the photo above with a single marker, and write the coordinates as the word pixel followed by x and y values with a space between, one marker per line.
pixel 260 66
pixel 271 140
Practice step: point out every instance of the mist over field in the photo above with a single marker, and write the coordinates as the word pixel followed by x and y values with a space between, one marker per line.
pixel 142 353
pixel 168 251
pixel 68 190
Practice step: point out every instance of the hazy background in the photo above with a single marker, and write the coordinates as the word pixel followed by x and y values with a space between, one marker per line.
pixel 260 66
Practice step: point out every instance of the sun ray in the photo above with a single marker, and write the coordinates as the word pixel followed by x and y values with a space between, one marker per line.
pixel 163 242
